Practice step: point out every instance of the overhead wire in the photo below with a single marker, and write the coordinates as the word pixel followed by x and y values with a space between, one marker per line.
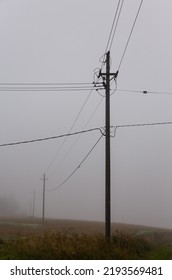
pixel 64 141
pixel 42 84
pixel 102 134
pixel 113 23
pixel 51 88
pixel 78 137
pixel 110 41
pixel 65 181
pixel 81 132
pixel 48 90
pixel 131 32
pixel 55 89
pixel 114 32
pixel 98 69
pixel 95 82
pixel 139 125
pixel 144 91
pixel 50 138
pixel 143 124
pixel 76 119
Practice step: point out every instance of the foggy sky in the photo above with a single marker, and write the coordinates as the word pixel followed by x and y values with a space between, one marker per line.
pixel 48 41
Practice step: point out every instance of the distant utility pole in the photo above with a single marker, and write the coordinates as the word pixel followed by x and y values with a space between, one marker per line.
pixel 43 201
pixel 106 77
pixel 33 213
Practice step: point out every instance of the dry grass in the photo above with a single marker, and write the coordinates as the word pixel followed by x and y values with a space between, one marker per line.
pixel 81 247
pixel 61 239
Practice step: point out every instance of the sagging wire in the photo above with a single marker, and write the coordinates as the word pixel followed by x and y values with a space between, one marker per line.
pixel 80 164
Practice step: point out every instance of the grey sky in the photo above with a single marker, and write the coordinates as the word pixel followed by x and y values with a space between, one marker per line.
pixel 62 41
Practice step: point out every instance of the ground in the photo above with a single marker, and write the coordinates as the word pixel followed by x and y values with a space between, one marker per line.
pixel 29 233
pixel 11 227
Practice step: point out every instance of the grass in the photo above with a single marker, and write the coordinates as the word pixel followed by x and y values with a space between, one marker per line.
pixel 72 246
pixel 26 238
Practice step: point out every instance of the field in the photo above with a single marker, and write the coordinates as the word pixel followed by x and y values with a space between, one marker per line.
pixel 27 238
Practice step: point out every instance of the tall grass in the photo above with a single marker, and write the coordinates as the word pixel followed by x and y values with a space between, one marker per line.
pixel 71 246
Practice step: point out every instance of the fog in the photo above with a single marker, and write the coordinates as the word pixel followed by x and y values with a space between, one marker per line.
pixel 48 41
pixel 9 207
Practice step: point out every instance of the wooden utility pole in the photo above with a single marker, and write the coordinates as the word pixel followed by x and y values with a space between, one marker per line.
pixel 107 143
pixel 33 213
pixel 43 201
pixel 106 76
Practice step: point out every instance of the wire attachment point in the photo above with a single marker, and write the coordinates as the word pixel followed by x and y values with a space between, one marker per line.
pixel 114 132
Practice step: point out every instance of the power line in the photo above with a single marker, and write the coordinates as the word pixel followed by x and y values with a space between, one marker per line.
pixel 81 132
pixel 42 84
pixel 83 88
pixel 116 25
pixel 141 124
pixel 113 23
pixel 113 30
pixel 59 186
pixel 76 140
pixel 109 39
pixel 130 34
pixel 144 91
pixel 55 90
pixel 77 117
pixel 118 126
pixel 49 86
pixel 50 138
